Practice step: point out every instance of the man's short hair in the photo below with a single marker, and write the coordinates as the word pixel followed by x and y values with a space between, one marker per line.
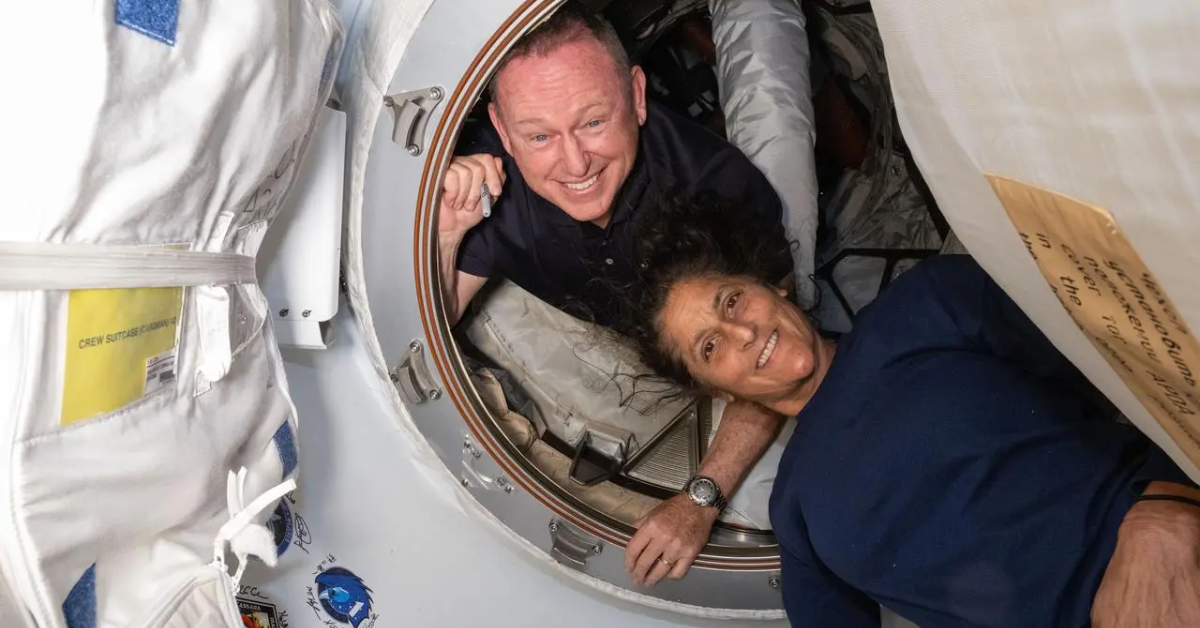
pixel 571 22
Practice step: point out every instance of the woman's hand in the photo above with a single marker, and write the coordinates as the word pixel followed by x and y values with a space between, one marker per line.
pixel 1153 578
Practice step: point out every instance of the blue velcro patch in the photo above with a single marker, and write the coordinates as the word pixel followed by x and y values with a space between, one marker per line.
pixel 285 442
pixel 80 605
pixel 153 18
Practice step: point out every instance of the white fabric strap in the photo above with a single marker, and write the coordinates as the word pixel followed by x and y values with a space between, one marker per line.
pixel 240 532
pixel 50 266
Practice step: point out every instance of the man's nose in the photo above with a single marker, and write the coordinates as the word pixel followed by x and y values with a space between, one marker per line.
pixel 575 158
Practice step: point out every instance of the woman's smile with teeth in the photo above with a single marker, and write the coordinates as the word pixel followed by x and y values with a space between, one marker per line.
pixel 768 349
pixel 583 185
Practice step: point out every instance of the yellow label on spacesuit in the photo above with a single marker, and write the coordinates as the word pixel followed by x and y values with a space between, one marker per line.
pixel 120 347
pixel 1114 299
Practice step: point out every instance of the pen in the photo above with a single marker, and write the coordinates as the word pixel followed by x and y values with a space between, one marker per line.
pixel 487 201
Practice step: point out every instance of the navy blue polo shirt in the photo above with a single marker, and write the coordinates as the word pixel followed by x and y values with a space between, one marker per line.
pixel 580 268
pixel 954 467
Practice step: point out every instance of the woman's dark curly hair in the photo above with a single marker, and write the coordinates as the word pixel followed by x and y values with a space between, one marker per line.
pixel 692 236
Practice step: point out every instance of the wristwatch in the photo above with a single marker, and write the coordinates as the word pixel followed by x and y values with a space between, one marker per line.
pixel 704 492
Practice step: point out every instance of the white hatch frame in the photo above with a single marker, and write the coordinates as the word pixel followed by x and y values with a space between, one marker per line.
pixel 393 285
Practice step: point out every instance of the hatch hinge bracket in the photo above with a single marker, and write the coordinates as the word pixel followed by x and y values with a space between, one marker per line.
pixel 411 112
pixel 412 377
pixel 571 546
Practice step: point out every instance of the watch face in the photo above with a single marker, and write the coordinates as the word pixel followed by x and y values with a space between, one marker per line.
pixel 703 491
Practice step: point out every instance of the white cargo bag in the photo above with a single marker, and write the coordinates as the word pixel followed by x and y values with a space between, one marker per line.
pixel 1075 124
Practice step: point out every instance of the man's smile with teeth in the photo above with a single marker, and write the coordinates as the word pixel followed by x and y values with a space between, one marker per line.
pixel 768 349
pixel 583 185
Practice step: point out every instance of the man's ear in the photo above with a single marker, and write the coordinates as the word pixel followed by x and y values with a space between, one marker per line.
pixel 639 94
pixel 494 114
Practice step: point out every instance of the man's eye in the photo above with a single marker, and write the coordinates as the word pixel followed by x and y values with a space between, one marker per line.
pixel 593 123
pixel 540 138
pixel 707 351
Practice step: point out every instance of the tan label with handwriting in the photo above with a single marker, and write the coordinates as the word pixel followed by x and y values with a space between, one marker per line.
pixel 1115 300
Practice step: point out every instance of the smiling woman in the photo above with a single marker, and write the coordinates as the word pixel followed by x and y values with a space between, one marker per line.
pixel 746 337
pixel 946 439
pixel 695 240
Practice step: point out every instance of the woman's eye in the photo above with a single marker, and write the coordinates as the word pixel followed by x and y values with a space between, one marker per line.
pixel 732 302
pixel 709 347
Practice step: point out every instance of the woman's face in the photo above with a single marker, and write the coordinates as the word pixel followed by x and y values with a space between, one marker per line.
pixel 741 338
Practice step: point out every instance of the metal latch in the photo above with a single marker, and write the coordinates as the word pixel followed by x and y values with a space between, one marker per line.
pixel 600 454
pixel 412 377
pixel 570 546
pixel 411 111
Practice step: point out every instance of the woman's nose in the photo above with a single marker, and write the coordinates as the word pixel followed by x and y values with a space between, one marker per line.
pixel 741 332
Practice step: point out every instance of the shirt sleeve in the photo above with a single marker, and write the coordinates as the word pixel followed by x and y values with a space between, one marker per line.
pixel 1159 467
pixel 476 254
pixel 733 176
pixel 812 596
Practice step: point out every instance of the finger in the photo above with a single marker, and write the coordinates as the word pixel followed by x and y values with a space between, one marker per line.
pixel 657 573
pixel 495 177
pixel 680 568
pixel 464 171
pixel 635 548
pixel 475 187
pixel 468 193
pixel 646 561
pixel 450 187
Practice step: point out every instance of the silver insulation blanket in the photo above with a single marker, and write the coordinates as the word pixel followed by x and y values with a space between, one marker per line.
pixel 763 73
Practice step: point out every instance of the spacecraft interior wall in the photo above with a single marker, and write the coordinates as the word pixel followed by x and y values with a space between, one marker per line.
pixel 152 143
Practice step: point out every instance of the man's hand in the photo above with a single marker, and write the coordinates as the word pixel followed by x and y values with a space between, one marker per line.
pixel 1153 578
pixel 671 536
pixel 462 188
pixel 668 539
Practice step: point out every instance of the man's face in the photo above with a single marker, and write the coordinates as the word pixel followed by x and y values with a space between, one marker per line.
pixel 570 120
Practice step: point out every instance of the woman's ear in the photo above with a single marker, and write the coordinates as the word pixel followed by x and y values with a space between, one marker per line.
pixel 787 286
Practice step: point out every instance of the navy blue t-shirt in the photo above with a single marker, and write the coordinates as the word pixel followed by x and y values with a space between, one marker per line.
pixel 582 269
pixel 954 467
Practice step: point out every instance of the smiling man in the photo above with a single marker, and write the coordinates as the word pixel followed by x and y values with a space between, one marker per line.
pixel 575 155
